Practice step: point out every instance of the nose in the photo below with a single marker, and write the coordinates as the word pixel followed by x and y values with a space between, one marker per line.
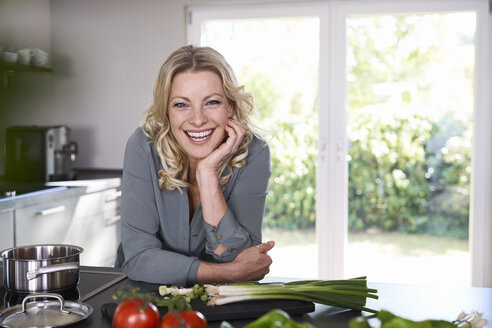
pixel 198 116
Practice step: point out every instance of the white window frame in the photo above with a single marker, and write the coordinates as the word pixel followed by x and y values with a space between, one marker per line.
pixel 332 179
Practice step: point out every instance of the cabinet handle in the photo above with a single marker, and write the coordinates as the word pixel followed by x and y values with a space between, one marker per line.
pixel 50 210
pixel 112 220
pixel 113 196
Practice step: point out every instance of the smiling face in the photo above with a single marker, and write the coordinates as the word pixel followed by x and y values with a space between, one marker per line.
pixel 198 112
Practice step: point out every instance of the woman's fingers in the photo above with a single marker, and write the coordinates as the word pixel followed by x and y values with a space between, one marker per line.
pixel 235 134
pixel 239 133
pixel 254 262
pixel 265 247
pixel 231 139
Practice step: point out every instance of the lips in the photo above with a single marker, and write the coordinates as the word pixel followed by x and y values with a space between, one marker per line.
pixel 199 136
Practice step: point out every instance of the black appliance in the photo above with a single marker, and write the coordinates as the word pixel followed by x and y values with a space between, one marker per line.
pixel 39 153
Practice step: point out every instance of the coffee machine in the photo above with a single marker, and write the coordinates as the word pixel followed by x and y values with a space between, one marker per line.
pixel 39 153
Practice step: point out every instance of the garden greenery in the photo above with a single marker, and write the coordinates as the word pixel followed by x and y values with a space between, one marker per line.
pixel 409 168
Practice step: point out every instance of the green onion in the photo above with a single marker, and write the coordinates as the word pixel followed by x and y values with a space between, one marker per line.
pixel 348 293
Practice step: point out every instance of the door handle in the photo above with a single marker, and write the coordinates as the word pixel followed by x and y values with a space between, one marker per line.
pixel 50 210
pixel 113 196
pixel 112 220
pixel 322 145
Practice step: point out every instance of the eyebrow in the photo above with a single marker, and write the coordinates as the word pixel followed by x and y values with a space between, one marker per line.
pixel 207 97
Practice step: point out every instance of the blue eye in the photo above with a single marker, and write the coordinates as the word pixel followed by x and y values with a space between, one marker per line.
pixel 212 102
pixel 180 105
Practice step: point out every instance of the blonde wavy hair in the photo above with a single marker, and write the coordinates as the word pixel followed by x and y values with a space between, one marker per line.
pixel 174 160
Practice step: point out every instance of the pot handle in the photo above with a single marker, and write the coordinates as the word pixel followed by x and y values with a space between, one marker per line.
pixel 45 295
pixel 52 268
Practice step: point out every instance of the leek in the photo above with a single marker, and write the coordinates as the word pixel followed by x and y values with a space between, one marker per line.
pixel 348 293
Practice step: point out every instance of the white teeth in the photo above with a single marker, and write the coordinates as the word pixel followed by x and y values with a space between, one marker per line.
pixel 199 136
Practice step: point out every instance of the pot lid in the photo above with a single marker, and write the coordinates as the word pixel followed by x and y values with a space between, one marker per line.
pixel 44 314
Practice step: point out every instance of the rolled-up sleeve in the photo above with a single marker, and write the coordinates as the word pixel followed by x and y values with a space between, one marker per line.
pixel 241 225
pixel 145 258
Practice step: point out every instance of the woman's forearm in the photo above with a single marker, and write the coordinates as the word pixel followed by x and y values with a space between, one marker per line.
pixel 214 206
pixel 213 203
pixel 251 264
pixel 210 273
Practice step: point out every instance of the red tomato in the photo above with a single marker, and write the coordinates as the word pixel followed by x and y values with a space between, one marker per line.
pixel 131 314
pixel 189 319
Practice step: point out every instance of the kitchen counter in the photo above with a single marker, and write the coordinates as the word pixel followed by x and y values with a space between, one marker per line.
pixel 415 302
pixel 42 196
pixel 88 181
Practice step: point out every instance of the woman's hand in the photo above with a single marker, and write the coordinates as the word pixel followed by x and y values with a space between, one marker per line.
pixel 253 263
pixel 209 164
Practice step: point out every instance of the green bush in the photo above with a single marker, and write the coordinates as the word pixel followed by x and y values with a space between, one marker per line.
pixel 398 182
pixel 388 163
pixel 291 201
pixel 405 173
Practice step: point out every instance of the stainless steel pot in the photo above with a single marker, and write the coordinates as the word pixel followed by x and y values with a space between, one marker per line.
pixel 41 268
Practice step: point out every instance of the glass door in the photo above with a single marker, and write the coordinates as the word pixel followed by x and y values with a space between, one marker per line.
pixel 413 145
pixel 274 52
pixel 410 95
pixel 378 117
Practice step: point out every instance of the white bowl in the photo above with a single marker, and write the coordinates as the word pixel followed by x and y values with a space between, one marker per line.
pixel 10 57
pixel 24 56
pixel 39 57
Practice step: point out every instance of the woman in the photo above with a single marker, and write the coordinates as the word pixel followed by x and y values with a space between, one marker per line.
pixel 195 179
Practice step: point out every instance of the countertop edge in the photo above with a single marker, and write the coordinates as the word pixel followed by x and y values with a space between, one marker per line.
pixel 73 189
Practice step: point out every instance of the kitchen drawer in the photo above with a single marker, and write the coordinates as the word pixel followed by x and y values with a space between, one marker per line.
pixel 96 227
pixel 6 229
pixel 44 223
pixel 102 248
pixel 94 203
pixel 99 235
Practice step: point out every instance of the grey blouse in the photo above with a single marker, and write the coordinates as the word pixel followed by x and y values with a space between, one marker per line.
pixel 159 243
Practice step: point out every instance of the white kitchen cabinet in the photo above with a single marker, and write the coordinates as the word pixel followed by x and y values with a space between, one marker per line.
pixel 44 223
pixel 83 213
pixel 96 226
pixel 6 229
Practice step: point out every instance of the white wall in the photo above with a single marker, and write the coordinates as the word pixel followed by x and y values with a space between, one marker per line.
pixel 25 23
pixel 105 56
